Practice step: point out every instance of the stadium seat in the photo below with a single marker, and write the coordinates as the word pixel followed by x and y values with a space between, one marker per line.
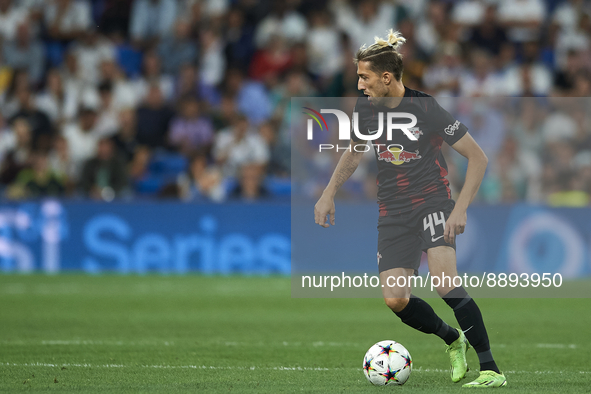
pixel 278 186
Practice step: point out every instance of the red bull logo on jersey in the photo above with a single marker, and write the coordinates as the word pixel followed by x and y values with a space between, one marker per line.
pixel 397 155
pixel 416 132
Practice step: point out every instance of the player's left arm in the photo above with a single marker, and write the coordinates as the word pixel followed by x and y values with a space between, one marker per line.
pixel 477 161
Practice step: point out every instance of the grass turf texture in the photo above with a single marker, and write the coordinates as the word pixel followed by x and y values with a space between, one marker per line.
pixel 123 334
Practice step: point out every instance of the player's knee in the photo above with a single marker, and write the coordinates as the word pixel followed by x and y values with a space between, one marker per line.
pixel 396 304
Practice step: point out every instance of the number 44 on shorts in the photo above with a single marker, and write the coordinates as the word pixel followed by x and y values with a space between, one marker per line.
pixel 432 220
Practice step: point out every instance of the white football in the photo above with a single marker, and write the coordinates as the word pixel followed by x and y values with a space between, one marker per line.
pixel 387 362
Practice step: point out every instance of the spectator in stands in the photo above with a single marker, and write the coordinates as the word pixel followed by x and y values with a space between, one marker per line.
pixel 566 14
pixel 578 112
pixel 523 18
pixel 178 49
pixel 23 52
pixel 415 58
pixel 82 138
pixel 91 50
pixel 7 140
pixel 506 59
pixel 70 71
pixel 108 112
pixel 18 81
pixel 39 122
pixel 564 77
pixel 251 97
pixel 60 163
pixel 489 35
pixel 6 74
pixel 582 163
pixel 468 13
pixel 559 125
pixel 479 80
pixel 57 100
pixel 582 85
pixel 67 20
pixel 38 181
pixel 442 77
pixel 487 125
pixel 430 28
pixel 124 92
pixel 189 84
pixel 324 45
pixel 250 186
pixel 512 174
pixel 222 115
pixel 343 84
pixel 115 16
pixel 19 156
pixel 211 10
pixel 153 119
pixel 300 62
pixel 239 39
pixel 152 74
pixel 238 145
pixel 364 20
pixel 271 61
pixel 282 21
pixel 560 156
pixel 201 182
pixel 280 155
pixel 527 130
pixel 296 84
pixel 104 177
pixel 35 9
pixel 138 168
pixel 151 20
pixel 186 83
pixel 11 17
pixel 577 38
pixel 531 77
pixel 190 130
pixel 213 62
pixel 125 138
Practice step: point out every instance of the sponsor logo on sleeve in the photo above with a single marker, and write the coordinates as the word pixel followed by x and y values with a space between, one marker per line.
pixel 451 129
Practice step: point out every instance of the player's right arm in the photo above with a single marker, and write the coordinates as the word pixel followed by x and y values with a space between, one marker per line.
pixel 345 168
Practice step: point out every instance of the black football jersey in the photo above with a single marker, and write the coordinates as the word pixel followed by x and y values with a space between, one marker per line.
pixel 410 173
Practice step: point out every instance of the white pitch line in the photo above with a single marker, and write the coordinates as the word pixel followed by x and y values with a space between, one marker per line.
pixel 252 368
pixel 90 342
pixel 164 366
pixel 556 346
pixel 82 342
pixel 114 343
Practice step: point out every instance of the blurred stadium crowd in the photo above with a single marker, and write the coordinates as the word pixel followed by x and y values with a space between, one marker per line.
pixel 189 99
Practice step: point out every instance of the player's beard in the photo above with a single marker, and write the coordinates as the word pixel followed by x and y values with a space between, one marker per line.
pixel 380 97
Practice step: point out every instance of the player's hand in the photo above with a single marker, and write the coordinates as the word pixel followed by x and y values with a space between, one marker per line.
pixel 456 223
pixel 324 207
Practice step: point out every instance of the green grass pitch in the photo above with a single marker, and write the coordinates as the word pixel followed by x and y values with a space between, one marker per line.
pixel 169 334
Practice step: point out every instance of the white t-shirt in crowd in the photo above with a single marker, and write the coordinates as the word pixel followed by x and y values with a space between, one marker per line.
pixel 251 149
pixel 77 17
pixel 10 21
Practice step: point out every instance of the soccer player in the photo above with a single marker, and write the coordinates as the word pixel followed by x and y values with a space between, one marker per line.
pixel 416 210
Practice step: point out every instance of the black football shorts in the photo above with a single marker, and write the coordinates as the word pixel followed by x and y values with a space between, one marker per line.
pixel 402 238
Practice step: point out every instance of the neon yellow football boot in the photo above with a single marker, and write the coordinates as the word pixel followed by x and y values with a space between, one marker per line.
pixel 457 357
pixel 488 379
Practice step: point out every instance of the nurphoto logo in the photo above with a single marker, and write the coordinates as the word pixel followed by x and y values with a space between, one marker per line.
pixel 344 123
